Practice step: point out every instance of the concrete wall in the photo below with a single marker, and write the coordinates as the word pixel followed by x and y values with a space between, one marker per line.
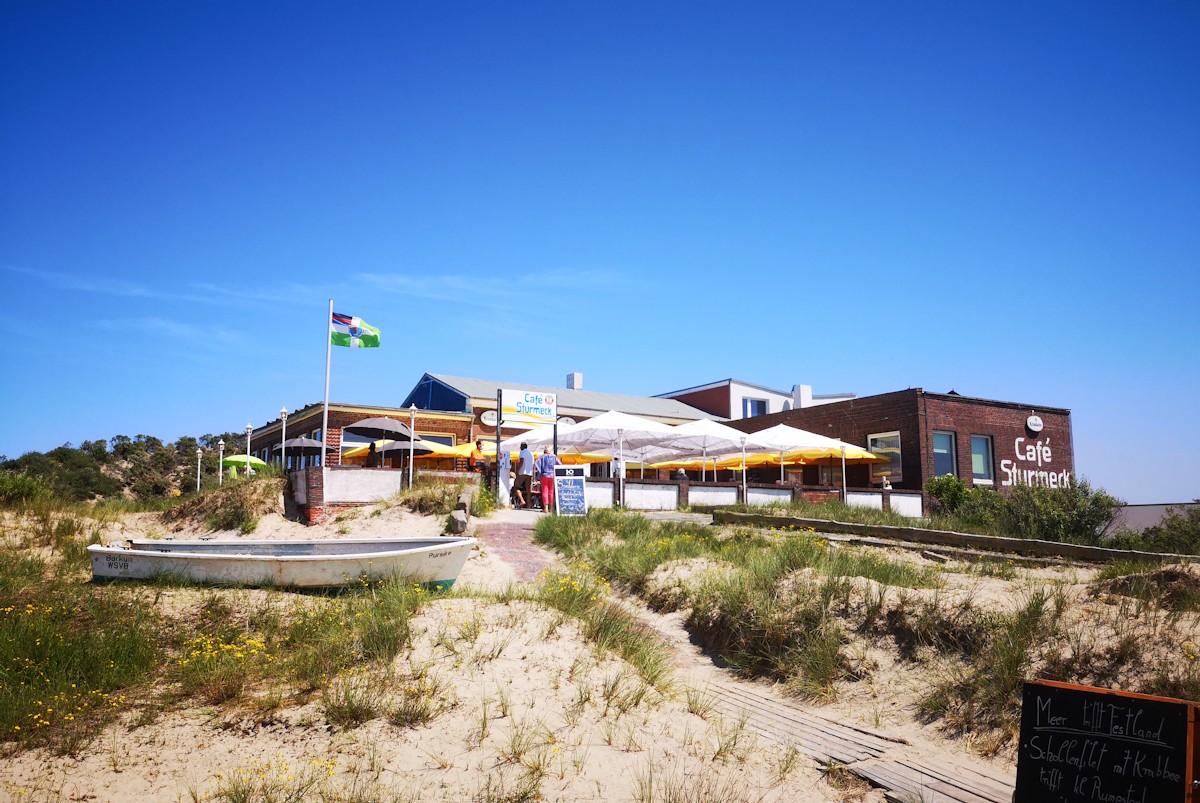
pixel 766 496
pixel 640 496
pixel 299 487
pixel 906 504
pixel 699 495
pixel 598 494
pixel 343 485
pixel 868 499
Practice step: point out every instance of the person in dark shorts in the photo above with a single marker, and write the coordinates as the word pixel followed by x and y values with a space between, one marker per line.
pixel 524 487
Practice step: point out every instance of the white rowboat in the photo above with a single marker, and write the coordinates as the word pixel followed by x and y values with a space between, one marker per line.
pixel 314 563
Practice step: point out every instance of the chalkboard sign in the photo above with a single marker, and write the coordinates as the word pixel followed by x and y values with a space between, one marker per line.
pixel 1086 744
pixel 570 490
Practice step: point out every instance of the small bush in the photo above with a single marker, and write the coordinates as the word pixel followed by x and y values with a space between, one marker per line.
pixel 18 489
pixel 68 654
pixel 1177 533
pixel 949 493
pixel 431 496
pixel 1075 514
pixel 237 505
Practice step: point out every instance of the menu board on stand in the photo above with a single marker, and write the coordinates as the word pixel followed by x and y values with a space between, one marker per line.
pixel 1081 743
pixel 570 490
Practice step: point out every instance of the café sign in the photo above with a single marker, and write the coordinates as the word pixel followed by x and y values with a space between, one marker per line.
pixel 1032 464
pixel 528 407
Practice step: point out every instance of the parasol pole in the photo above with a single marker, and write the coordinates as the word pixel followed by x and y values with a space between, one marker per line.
pixel 328 355
pixel 621 466
pixel 744 500
pixel 843 474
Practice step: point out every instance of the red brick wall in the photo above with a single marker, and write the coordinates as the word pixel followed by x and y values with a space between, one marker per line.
pixel 714 401
pixel 852 421
pixel 916 415
pixel 1044 454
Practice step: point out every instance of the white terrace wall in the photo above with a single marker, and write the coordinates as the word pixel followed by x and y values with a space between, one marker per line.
pixel 344 485
pixel 640 496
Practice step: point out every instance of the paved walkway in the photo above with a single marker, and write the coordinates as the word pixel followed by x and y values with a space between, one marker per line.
pixel 904 771
pixel 509 534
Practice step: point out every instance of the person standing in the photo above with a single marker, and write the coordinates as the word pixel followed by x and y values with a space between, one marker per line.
pixel 525 469
pixel 372 460
pixel 545 468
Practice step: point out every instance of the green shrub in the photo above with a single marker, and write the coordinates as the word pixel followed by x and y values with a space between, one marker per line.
pixel 1178 532
pixel 948 493
pixel 68 653
pixel 1074 514
pixel 19 489
pixel 431 496
pixel 237 505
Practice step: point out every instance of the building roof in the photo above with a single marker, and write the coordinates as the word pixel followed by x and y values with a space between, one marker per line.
pixel 482 393
pixel 954 396
pixel 720 383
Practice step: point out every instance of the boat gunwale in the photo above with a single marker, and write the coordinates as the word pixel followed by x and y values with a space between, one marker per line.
pixel 108 549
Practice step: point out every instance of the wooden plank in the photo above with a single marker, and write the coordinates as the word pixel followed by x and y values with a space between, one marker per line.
pixel 900 784
pixel 889 763
pixel 867 739
pixel 977 776
pixel 824 740
pixel 812 743
pixel 811 719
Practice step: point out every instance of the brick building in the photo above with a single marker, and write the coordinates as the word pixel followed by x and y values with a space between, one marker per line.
pixel 985 442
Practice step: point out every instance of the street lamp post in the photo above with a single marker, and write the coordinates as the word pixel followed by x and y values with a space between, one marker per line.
pixel 283 440
pixel 249 432
pixel 220 462
pixel 198 453
pixel 412 435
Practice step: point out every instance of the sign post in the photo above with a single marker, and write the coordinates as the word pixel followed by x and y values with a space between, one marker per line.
pixel 570 490
pixel 1080 743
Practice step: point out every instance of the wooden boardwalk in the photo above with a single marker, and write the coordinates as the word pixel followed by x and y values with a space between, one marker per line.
pixel 905 773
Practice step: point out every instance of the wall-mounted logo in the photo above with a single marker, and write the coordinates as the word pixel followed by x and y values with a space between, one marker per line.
pixel 488 417
pixel 1034 424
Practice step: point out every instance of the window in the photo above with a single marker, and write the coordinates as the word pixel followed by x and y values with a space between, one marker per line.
pixel 885 444
pixel 981 459
pixel 945 454
pixel 316 460
pixel 753 407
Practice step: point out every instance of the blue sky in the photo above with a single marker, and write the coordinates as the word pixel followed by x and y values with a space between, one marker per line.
pixel 997 198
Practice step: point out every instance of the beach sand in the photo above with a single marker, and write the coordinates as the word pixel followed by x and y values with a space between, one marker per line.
pixel 529 710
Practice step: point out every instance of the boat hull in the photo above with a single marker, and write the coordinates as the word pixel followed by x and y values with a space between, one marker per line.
pixel 316 563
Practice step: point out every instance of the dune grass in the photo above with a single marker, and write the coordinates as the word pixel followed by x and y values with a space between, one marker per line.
pixel 741 614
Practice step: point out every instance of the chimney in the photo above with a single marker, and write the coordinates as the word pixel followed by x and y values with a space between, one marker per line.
pixel 802 396
pixel 575 381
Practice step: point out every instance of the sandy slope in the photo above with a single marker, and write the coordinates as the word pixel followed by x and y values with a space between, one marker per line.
pixel 526 700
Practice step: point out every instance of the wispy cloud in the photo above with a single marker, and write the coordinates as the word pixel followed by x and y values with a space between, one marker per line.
pixel 498 293
pixel 102 285
pixel 176 330
pixel 196 292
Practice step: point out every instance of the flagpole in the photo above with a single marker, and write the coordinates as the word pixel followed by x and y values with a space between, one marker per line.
pixel 328 355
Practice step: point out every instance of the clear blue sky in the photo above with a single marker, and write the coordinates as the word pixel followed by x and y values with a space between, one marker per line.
pixel 1002 199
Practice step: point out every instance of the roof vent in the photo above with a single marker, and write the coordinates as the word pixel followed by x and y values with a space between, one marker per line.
pixel 575 381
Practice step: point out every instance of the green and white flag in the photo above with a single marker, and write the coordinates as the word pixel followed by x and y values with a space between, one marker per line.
pixel 352 332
